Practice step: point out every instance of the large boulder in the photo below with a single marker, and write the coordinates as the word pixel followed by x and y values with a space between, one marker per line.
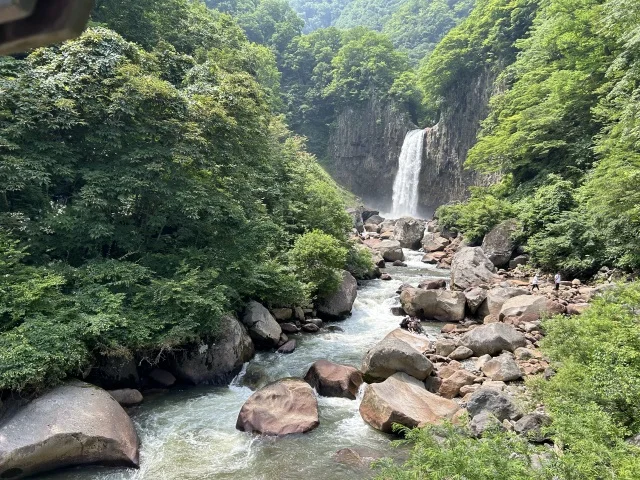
pixel 470 268
pixel 493 401
pixel 75 424
pixel 333 380
pixel 263 328
pixel 440 305
pixel 374 220
pixel 498 245
pixel 496 298
pixel 502 369
pixel 492 339
pixel 283 407
pixel 433 242
pixel 339 304
pixel 391 250
pixel 215 362
pixel 409 232
pixel 399 351
pixel 528 308
pixel 403 400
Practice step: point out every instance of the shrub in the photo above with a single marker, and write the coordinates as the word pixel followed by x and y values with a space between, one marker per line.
pixel 318 259
pixel 476 217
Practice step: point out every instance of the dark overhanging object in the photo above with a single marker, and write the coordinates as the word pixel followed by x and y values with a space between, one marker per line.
pixel 27 24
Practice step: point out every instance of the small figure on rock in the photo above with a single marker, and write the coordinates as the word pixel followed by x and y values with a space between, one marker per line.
pixel 557 280
pixel 535 283
pixel 411 324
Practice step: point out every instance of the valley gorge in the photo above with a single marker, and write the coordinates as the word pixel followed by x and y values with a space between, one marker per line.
pixel 265 239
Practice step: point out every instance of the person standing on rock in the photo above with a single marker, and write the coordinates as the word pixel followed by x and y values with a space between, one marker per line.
pixel 535 283
pixel 558 279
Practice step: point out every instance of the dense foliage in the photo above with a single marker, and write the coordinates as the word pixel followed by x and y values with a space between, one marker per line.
pixel 592 401
pixel 417 26
pixel 331 69
pixel 319 14
pixel 148 189
pixel 562 132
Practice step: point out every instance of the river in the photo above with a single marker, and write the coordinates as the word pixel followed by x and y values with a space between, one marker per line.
pixel 190 434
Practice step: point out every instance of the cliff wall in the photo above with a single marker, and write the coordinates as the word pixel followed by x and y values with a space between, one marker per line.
pixel 364 147
pixel 365 144
pixel 443 178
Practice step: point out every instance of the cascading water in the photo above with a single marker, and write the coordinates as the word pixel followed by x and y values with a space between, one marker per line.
pixel 405 187
pixel 191 435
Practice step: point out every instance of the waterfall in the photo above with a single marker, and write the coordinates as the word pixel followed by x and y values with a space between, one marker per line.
pixel 405 187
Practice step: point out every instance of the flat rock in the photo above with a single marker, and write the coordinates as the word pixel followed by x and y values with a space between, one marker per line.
pixel 403 400
pixel 399 351
pixel 333 380
pixel 492 339
pixel 284 407
pixel 75 424
pixel 528 308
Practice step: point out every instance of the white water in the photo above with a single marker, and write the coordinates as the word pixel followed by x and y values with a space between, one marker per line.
pixel 405 187
pixel 191 435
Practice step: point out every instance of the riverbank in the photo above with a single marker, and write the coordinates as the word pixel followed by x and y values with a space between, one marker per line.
pixel 191 433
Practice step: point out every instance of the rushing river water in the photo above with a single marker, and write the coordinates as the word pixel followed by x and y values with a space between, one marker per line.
pixel 191 435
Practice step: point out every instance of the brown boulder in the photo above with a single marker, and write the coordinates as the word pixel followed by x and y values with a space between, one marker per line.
pixel 403 400
pixel 433 285
pixel 282 314
pixel 528 308
pixel 451 385
pixel 333 380
pixel 283 407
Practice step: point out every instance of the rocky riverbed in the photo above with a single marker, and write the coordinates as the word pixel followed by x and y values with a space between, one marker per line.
pixel 321 395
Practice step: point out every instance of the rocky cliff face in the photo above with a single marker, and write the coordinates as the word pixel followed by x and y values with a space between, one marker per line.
pixel 365 145
pixel 364 148
pixel 443 178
